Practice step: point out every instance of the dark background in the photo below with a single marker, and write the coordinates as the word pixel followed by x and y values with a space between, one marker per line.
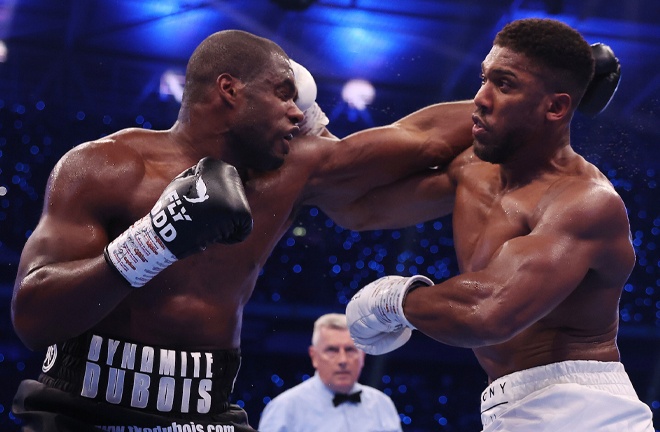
pixel 78 69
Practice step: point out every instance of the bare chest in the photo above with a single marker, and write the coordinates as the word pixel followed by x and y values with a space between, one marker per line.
pixel 485 218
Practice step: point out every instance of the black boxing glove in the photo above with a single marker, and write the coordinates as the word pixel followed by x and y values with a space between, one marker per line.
pixel 204 204
pixel 601 89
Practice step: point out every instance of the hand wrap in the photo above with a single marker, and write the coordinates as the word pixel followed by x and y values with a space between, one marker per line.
pixel 315 119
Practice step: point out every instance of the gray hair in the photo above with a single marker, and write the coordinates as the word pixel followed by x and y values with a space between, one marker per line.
pixel 335 321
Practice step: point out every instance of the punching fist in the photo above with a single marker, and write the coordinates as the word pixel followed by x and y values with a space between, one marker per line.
pixel 203 205
pixel 375 314
pixel 315 119
pixel 601 89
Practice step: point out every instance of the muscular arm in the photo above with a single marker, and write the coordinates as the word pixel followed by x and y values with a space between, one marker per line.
pixel 580 247
pixel 64 286
pixel 371 159
pixel 421 197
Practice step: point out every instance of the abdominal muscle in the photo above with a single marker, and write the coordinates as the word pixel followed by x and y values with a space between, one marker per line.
pixel 539 345
pixel 195 303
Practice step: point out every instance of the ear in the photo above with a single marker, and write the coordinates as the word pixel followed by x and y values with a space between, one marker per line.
pixel 227 87
pixel 312 355
pixel 560 106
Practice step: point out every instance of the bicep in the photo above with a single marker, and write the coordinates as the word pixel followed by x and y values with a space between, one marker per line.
pixel 536 272
pixel 57 239
pixel 73 224
pixel 532 274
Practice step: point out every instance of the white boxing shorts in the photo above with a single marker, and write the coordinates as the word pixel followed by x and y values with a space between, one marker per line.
pixel 567 396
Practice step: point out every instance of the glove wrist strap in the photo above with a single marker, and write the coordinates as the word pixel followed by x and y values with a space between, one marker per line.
pixel 391 305
pixel 314 121
pixel 138 254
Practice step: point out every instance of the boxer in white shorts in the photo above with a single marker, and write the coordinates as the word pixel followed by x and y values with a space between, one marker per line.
pixel 542 241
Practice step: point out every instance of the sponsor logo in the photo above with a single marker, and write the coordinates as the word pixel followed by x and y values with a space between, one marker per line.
pixel 49 361
pixel 144 377
pixel 493 391
pixel 200 188
pixel 174 427
pixel 160 217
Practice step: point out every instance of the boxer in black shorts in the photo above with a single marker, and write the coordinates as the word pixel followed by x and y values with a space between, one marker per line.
pixel 156 238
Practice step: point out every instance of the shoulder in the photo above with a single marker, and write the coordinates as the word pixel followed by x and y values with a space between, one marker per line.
pixel 113 156
pixel 586 211
pixel 119 159
pixel 98 172
pixel 587 203
pixel 468 167
pixel 310 150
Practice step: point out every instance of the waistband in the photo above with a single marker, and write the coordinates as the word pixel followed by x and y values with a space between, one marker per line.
pixel 143 377
pixel 607 376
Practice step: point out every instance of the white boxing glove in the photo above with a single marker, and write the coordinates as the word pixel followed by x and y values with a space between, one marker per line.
pixel 375 314
pixel 315 119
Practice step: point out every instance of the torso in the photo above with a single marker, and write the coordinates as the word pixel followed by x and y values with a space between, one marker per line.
pixel 584 325
pixel 198 301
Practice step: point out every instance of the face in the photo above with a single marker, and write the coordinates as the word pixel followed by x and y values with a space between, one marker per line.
pixel 265 122
pixel 510 105
pixel 336 359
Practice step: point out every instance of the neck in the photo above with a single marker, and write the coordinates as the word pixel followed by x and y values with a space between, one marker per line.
pixel 547 154
pixel 188 142
pixel 200 137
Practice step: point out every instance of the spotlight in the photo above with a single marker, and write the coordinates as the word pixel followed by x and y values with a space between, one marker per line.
pixel 3 51
pixel 358 93
pixel 171 84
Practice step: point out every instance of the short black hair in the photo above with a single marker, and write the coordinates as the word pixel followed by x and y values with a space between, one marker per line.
pixel 556 46
pixel 239 53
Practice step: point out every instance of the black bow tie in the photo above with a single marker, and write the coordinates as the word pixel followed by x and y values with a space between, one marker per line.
pixel 340 398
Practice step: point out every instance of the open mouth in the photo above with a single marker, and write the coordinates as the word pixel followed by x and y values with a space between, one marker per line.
pixel 478 122
pixel 479 125
pixel 294 131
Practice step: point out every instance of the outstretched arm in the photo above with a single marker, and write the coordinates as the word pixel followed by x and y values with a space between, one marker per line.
pixel 424 196
pixel 399 155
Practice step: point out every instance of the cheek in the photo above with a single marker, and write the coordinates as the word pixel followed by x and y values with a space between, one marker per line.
pixel 357 366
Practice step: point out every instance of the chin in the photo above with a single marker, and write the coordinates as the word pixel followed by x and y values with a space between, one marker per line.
pixel 270 164
pixel 275 164
pixel 482 152
pixel 490 154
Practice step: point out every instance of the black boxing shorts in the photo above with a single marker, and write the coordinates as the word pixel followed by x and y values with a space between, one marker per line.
pixel 95 382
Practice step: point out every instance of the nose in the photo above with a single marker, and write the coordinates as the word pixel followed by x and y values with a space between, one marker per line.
pixel 342 357
pixel 481 98
pixel 295 114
